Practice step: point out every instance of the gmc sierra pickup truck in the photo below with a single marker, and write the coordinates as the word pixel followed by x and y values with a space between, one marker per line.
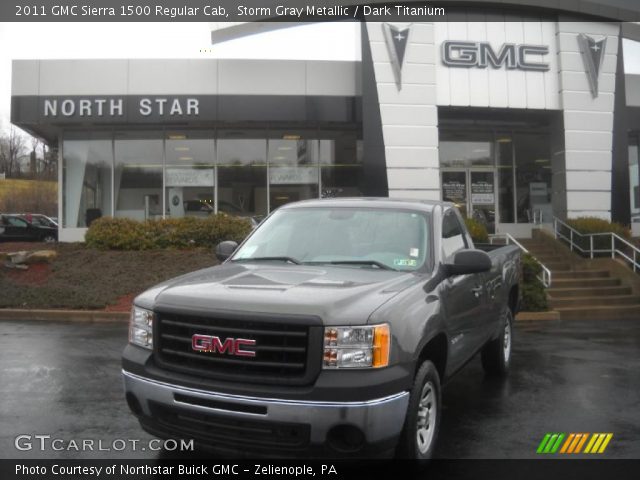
pixel 328 331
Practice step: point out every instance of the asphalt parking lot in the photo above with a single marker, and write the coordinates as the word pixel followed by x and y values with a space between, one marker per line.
pixel 63 380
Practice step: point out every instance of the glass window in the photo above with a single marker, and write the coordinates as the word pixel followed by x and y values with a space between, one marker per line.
pixel 190 174
pixel 341 166
pixel 504 150
pixel 533 178
pixel 465 150
pixel 293 169
pixel 138 176
pixel 634 178
pixel 453 238
pixel 242 173
pixel 357 237
pixel 87 170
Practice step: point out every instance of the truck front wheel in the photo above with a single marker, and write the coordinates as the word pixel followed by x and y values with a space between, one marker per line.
pixel 423 415
pixel 496 355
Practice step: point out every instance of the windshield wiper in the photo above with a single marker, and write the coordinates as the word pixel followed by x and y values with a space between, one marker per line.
pixel 257 259
pixel 372 263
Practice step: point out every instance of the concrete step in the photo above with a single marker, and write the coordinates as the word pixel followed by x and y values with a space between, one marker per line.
pixel 578 274
pixel 600 312
pixel 552 259
pixel 585 282
pixel 557 266
pixel 558 292
pixel 593 301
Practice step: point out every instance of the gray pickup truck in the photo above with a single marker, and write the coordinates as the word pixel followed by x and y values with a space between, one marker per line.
pixel 328 331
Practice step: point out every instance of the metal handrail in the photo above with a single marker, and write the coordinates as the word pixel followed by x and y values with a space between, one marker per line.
pixel 545 276
pixel 633 259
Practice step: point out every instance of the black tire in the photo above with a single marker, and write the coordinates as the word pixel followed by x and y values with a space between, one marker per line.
pixel 496 355
pixel 420 432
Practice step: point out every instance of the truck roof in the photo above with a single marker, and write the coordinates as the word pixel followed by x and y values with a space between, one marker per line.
pixel 371 202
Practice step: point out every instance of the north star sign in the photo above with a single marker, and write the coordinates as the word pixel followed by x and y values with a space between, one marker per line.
pixel 457 53
pixel 114 107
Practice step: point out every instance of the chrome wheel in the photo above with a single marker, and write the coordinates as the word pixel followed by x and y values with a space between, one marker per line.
pixel 507 341
pixel 426 422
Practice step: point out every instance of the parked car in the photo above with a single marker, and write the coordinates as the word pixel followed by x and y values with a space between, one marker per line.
pixel 40 220
pixel 14 228
pixel 330 329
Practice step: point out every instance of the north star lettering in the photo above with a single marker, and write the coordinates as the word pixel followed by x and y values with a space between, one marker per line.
pixel 114 107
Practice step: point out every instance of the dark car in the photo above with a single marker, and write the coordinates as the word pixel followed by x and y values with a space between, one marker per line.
pixel 39 220
pixel 13 228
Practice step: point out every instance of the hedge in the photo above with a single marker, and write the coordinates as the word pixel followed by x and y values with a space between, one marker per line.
pixel 477 230
pixel 587 225
pixel 534 295
pixel 108 233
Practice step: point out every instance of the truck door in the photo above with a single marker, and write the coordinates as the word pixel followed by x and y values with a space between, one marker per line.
pixel 463 298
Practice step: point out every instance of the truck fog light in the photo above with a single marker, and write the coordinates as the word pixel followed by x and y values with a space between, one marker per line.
pixel 356 347
pixel 141 327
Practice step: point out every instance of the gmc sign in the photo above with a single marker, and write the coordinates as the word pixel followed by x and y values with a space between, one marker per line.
pixel 482 55
pixel 230 346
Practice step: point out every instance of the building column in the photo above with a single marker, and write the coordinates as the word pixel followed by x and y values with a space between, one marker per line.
pixel 409 115
pixel 588 120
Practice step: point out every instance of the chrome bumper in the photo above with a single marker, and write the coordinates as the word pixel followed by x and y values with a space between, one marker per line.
pixel 379 419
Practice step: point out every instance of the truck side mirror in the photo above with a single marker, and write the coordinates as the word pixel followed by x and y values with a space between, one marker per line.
pixel 225 249
pixel 468 261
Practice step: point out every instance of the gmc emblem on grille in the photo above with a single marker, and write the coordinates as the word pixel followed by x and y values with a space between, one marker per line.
pixel 230 346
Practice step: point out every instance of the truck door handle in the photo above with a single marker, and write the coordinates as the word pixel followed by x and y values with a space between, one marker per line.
pixel 477 291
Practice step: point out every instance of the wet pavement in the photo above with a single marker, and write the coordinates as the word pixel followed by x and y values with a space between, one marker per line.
pixel 63 380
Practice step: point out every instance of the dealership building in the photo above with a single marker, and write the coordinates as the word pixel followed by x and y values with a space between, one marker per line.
pixel 516 118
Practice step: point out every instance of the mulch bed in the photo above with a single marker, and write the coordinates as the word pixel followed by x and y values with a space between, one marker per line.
pixel 83 278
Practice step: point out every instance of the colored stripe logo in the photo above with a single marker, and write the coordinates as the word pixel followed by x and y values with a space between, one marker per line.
pixel 573 443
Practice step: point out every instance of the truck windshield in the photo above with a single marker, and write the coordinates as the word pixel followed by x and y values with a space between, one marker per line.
pixel 353 237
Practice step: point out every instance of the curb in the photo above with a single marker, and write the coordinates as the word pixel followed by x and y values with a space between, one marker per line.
pixel 63 315
pixel 535 316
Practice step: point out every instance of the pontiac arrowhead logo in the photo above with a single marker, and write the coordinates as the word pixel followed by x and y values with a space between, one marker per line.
pixel 592 55
pixel 396 39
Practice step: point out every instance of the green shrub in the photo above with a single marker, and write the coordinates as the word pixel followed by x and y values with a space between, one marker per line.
pixel 586 225
pixel 534 295
pixel 109 233
pixel 477 230
pixel 598 225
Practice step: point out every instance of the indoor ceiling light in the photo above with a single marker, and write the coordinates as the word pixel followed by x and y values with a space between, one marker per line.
pixel 541 160
pixel 504 140
pixel 181 149
pixel 291 137
pixel 186 158
pixel 177 137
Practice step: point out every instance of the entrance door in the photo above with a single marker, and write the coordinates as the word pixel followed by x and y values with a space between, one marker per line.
pixel 482 198
pixel 473 192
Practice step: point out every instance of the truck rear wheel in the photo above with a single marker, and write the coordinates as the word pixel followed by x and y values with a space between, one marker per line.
pixel 423 415
pixel 496 355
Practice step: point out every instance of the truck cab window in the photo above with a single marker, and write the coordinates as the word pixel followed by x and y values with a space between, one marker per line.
pixel 452 235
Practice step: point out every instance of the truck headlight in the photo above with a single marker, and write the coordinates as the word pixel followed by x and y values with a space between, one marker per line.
pixel 356 347
pixel 141 327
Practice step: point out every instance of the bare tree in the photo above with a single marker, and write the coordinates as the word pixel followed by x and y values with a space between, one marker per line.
pixel 12 146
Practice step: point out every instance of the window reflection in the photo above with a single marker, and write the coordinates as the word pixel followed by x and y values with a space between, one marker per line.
pixel 86 180
pixel 138 176
pixel 293 171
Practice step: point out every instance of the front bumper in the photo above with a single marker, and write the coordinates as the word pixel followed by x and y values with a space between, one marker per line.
pixel 379 420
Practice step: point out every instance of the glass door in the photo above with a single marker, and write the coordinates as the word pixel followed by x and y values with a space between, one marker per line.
pixel 473 192
pixel 482 198
pixel 454 189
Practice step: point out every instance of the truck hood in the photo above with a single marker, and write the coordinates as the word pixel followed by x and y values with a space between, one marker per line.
pixel 337 294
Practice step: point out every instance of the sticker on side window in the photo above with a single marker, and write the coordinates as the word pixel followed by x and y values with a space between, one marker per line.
pixel 414 252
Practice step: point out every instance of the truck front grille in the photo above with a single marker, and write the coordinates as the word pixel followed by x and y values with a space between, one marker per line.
pixel 287 352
